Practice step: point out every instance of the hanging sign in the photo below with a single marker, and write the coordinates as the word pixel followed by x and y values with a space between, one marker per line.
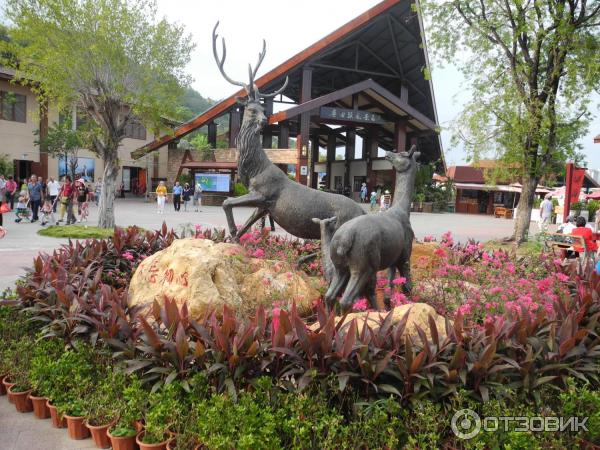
pixel 351 115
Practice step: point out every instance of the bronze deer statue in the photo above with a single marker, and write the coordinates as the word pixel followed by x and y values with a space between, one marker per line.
pixel 292 205
pixel 364 245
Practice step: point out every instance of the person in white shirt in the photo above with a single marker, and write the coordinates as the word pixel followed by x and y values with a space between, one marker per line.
pixel 53 190
pixel 545 213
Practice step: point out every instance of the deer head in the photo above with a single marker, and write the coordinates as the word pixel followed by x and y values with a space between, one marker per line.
pixel 402 161
pixel 254 95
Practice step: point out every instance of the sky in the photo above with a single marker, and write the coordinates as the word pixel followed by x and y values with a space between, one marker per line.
pixel 289 27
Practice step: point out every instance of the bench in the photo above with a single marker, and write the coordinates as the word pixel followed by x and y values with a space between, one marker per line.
pixel 565 242
pixel 501 211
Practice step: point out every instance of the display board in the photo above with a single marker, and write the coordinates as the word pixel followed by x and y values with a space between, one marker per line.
pixel 213 182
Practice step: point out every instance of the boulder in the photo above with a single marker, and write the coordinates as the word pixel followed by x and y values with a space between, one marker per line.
pixel 211 275
pixel 418 314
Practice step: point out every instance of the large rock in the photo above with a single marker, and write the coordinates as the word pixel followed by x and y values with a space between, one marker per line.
pixel 209 276
pixel 418 316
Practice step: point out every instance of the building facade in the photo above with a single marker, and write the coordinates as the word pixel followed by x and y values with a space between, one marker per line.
pixel 21 117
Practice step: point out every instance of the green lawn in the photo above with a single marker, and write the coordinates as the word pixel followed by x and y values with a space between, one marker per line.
pixel 75 232
pixel 528 248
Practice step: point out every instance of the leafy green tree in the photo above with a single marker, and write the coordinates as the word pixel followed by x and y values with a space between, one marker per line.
pixel 531 66
pixel 62 141
pixel 6 165
pixel 112 59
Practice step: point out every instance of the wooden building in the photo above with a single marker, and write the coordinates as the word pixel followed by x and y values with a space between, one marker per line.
pixel 360 90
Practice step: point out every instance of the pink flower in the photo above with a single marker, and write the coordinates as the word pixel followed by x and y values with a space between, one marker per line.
pixel 128 256
pixel 428 239
pixel 258 253
pixel 399 280
pixel 360 305
pixel 398 299
pixel 562 277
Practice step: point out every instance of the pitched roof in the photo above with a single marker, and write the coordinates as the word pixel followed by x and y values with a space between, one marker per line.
pixel 391 42
pixel 465 174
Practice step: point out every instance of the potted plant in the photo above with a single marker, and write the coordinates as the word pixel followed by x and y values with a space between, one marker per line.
pixel 159 418
pixel 58 420
pixel 20 391
pixel 74 412
pixel 418 203
pixel 41 375
pixel 102 412
pixel 7 384
pixel 122 435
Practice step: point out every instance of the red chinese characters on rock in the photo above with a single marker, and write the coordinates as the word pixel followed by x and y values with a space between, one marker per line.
pixel 169 276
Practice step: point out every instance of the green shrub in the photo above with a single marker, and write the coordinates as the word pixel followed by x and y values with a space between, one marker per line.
pixel 239 189
pixel 75 232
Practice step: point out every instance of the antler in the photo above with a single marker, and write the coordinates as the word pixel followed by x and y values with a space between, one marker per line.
pixel 221 61
pixel 410 152
pixel 250 88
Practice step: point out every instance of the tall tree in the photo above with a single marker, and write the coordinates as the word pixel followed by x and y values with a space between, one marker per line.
pixel 112 59
pixel 531 66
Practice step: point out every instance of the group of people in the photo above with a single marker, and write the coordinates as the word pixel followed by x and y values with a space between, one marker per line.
pixel 181 194
pixel 37 200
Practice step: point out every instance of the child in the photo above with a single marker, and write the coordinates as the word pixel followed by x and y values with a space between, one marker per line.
pixel 47 212
pixel 22 210
pixel 83 212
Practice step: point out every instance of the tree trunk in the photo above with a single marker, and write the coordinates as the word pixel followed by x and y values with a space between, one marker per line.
pixel 106 211
pixel 525 206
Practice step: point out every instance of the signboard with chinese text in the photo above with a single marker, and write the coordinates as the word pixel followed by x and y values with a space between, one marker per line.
pixel 351 115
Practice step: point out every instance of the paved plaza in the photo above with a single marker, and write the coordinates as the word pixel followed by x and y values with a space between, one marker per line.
pixel 22 243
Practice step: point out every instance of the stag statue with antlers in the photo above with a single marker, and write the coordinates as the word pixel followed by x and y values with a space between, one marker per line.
pixel 292 205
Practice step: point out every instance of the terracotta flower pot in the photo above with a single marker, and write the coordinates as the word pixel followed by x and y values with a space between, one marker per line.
pixel 58 421
pixel 99 434
pixel 76 428
pixel 21 400
pixel 122 443
pixel 7 384
pixel 159 446
pixel 380 298
pixel 172 445
pixel 40 409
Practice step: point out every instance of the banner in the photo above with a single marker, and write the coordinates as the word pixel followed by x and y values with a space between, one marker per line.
pixel 573 184
pixel 576 184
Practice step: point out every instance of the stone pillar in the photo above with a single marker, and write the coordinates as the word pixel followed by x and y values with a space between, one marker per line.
pixel 314 159
pixel 371 152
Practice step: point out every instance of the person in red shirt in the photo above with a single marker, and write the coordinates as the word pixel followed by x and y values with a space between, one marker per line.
pixel 587 235
pixel 66 195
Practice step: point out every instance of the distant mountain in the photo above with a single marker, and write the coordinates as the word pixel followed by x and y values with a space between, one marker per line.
pixel 193 103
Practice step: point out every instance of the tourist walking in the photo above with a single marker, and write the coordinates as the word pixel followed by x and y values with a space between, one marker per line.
pixel 82 197
pixel 187 195
pixel 98 191
pixel 161 197
pixel 35 190
pixel 53 190
pixel 177 191
pixel 66 194
pixel 198 196
pixel 386 201
pixel 373 200
pixel 363 193
pixel 47 212
pixel 545 213
pixel 11 189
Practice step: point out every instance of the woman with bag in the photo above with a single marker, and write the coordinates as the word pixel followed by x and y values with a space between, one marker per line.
pixel 66 201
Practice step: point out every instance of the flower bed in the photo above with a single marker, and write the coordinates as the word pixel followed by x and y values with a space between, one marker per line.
pixel 272 382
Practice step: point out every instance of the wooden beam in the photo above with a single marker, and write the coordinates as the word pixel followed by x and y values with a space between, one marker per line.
pixel 302 138
pixel 351 69
pixel 331 147
pixel 284 135
pixel 212 134
pixel 400 130
pixel 267 138
pixel 395 45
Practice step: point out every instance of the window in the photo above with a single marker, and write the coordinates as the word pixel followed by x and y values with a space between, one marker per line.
pixel 13 106
pixel 135 130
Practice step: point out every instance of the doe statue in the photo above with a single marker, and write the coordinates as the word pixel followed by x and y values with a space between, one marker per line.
pixel 364 245
pixel 290 204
